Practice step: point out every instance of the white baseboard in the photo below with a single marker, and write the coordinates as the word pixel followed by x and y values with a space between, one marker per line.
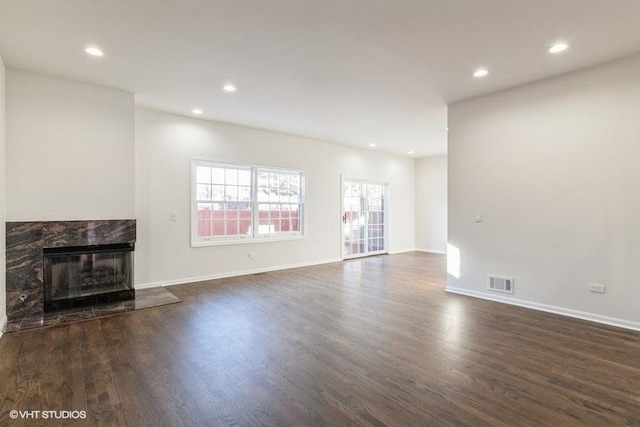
pixel 148 285
pixel 432 251
pixel 3 323
pixel 402 251
pixel 612 321
pixel 233 274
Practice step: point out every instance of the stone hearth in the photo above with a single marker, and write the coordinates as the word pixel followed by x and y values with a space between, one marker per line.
pixel 145 298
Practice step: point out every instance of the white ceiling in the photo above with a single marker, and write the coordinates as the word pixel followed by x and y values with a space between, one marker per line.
pixel 348 71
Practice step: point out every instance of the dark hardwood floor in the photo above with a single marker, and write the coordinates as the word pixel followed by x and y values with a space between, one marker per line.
pixel 371 342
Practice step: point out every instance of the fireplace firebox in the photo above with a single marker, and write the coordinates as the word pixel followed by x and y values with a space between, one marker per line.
pixel 86 275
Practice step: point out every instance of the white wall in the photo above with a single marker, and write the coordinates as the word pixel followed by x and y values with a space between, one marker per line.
pixel 554 168
pixel 431 204
pixel 70 150
pixel 3 278
pixel 165 145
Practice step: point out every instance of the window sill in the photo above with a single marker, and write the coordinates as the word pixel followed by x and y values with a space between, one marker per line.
pixel 270 239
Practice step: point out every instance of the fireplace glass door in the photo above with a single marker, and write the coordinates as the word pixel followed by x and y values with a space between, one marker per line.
pixel 87 275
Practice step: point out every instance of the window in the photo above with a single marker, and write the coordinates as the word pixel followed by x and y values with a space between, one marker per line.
pixel 232 203
pixel 279 202
pixel 223 201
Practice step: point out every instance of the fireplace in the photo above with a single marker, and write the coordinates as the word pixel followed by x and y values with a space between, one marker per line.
pixel 94 273
pixel 85 275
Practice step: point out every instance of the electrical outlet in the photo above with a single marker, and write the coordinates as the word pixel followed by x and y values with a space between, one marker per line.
pixel 251 255
pixel 173 216
pixel 596 288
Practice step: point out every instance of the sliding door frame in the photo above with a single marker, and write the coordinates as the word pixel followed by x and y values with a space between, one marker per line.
pixel 385 207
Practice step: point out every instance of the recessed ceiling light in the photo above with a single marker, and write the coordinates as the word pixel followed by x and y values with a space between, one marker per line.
pixel 558 47
pixel 372 144
pixel 196 111
pixel 94 51
pixel 410 152
pixel 229 88
pixel 480 72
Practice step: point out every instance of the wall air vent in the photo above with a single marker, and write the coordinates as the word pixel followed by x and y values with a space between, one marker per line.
pixel 500 284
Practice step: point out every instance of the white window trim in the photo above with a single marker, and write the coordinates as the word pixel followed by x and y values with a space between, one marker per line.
pixel 255 237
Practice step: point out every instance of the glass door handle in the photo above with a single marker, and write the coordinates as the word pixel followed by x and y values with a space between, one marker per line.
pixel 344 218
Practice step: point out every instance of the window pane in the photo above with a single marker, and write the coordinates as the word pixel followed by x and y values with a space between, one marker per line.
pixel 346 190
pixel 294 181
pixel 244 193
pixel 273 180
pixel 295 219
pixel 281 189
pixel 294 191
pixel 279 217
pixel 204 192
pixel 283 181
pixel 285 221
pixel 244 177
pixel 218 228
pixel 230 216
pixel 203 175
pixel 217 192
pixel 264 226
pixel 231 176
pixel 245 226
pixel 355 189
pixel 204 228
pixel 217 175
pixel 204 219
pixel 230 192
pixel 263 179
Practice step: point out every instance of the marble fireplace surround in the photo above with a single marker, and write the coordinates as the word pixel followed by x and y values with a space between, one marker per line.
pixel 24 255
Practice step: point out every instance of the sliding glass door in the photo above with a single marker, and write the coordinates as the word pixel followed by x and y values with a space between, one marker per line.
pixel 363 218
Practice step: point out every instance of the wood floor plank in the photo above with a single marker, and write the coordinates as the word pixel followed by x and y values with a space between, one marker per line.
pixel 372 342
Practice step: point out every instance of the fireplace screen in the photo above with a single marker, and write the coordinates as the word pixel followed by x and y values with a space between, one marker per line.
pixel 86 275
